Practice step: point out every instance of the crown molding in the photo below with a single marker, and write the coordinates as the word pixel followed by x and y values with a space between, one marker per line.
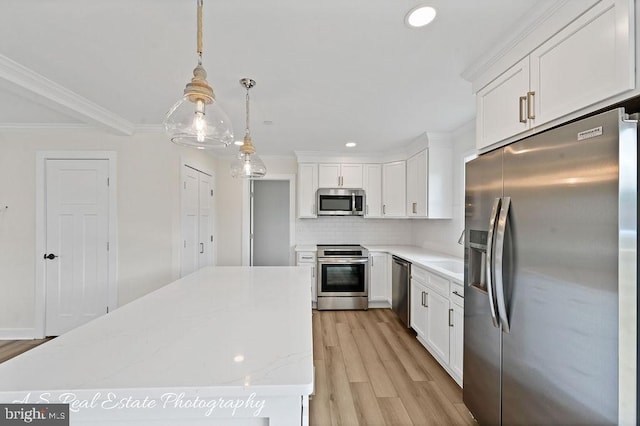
pixel 46 92
pixel 535 28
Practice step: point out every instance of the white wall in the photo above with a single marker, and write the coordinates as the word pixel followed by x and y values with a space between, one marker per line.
pixel 148 168
pixel 442 235
pixel 230 201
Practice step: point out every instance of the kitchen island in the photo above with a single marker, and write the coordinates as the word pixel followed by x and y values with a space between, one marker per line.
pixel 224 345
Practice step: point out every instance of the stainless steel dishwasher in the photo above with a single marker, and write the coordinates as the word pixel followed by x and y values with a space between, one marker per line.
pixel 400 276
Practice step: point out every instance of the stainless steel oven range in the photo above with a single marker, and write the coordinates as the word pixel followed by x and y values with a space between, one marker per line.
pixel 343 277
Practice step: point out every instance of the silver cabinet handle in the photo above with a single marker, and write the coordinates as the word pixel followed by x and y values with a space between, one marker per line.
pixel 384 209
pixel 306 257
pixel 498 278
pixel 489 265
pixel 458 294
pixel 414 207
pixel 422 301
pixel 201 248
pixel 425 294
pixel 366 209
pixel 450 319
pixel 531 113
pixel 522 100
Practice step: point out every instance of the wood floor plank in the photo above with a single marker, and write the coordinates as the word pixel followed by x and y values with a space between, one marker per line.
pixel 318 346
pixel 366 404
pixel 407 390
pixel 350 353
pixel 380 381
pixel 439 408
pixel 354 320
pixel 394 412
pixel 415 371
pixel 319 406
pixel 329 335
pixel 380 344
pixel 465 414
pixel 343 411
pixel 341 317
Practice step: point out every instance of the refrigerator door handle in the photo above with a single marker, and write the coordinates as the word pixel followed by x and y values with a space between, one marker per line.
pixel 489 265
pixel 498 260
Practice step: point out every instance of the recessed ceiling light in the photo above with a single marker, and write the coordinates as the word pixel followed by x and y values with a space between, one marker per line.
pixel 420 16
pixel 350 144
pixel 238 143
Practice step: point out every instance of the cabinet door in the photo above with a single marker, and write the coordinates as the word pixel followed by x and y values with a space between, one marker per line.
pixel 440 180
pixel 417 185
pixel 351 175
pixel 501 112
pixel 328 175
pixel 379 278
pixel 456 340
pixel 394 189
pixel 418 312
pixel 587 62
pixel 372 184
pixel 307 187
pixel 437 332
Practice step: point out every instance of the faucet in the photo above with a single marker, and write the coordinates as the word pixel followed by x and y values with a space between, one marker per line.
pixel 461 239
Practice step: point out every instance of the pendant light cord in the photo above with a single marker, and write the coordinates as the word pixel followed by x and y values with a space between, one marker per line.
pixel 247 113
pixel 199 32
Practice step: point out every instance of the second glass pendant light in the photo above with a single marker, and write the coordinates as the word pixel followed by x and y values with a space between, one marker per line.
pixel 247 164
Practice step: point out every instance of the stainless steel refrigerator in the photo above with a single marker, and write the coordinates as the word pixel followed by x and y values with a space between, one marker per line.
pixel 550 321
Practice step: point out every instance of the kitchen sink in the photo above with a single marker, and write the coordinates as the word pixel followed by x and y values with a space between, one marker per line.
pixel 456 267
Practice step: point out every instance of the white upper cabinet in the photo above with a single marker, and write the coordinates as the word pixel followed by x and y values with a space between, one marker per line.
pixel 394 189
pixel 340 175
pixel 372 185
pixel 429 182
pixel 307 187
pixel 590 60
pixel 501 106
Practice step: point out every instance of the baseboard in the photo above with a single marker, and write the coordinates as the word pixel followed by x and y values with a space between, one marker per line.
pixel 379 304
pixel 18 334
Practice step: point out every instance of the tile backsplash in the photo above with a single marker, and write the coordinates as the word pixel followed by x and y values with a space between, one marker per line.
pixel 353 230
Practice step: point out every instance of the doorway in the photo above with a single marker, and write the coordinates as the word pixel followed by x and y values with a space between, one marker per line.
pixel 270 221
pixel 76 247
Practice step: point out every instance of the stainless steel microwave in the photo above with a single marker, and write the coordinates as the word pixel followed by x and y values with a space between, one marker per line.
pixel 340 202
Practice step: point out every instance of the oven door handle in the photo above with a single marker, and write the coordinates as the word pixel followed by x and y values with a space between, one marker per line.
pixel 342 261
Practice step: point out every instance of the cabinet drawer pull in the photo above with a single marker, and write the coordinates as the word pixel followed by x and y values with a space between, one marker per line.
pixel 521 102
pixel 414 207
pixel 424 299
pixel 384 209
pixel 458 294
pixel 450 320
pixel 531 112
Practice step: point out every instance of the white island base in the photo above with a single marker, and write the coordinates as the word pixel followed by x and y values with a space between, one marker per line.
pixel 222 346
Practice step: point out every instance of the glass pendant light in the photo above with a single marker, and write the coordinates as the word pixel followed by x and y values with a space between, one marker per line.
pixel 196 119
pixel 247 164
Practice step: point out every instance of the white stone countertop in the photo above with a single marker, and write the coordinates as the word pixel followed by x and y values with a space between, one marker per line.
pixel 441 263
pixel 219 331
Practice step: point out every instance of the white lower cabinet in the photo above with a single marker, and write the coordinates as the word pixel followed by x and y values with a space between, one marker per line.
pixel 379 279
pixel 437 318
pixel 308 258
pixel 456 338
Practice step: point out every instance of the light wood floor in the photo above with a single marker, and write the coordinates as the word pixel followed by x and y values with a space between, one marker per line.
pixel 13 348
pixel 371 370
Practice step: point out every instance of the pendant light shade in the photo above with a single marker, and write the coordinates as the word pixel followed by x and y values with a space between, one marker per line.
pixel 196 119
pixel 247 164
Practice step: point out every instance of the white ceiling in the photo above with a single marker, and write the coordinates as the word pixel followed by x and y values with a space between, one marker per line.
pixel 327 71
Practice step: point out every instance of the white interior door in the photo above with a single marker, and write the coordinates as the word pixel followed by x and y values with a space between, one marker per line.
pixel 77 232
pixel 197 220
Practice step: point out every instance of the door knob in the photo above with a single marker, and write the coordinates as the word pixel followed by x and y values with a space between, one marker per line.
pixel 50 256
